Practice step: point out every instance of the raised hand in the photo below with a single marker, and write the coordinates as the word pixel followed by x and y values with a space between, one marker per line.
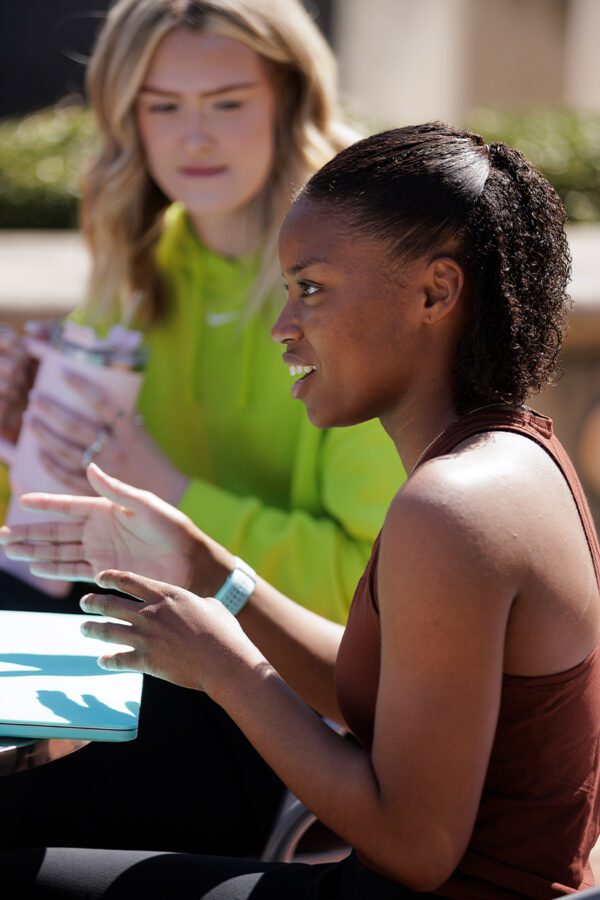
pixel 123 528
pixel 175 635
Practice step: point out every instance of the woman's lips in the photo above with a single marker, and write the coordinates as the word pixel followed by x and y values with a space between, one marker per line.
pixel 201 171
pixel 299 386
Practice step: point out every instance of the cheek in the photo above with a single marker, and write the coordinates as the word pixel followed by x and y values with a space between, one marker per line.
pixel 251 138
pixel 150 137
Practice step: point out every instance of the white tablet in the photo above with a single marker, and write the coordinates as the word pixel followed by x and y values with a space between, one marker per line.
pixel 51 685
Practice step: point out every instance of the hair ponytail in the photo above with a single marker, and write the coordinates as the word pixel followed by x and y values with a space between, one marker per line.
pixel 520 266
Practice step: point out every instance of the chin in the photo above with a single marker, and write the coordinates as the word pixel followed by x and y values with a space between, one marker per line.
pixel 333 418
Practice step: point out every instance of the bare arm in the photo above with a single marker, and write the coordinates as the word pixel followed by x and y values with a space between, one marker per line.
pixel 301 645
pixel 409 804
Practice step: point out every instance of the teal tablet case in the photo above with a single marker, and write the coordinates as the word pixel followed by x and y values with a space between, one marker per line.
pixel 51 685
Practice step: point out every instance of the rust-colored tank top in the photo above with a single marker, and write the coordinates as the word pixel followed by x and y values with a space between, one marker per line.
pixel 540 805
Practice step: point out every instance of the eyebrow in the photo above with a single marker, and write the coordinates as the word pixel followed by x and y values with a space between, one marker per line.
pixel 305 263
pixel 149 89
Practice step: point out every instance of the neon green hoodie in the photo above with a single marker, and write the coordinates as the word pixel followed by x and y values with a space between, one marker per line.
pixel 299 504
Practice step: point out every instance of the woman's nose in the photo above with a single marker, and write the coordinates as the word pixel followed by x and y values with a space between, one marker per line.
pixel 286 327
pixel 198 138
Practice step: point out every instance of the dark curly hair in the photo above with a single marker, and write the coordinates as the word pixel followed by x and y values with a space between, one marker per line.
pixel 431 187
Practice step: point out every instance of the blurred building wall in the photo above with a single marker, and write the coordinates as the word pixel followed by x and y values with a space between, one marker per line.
pixel 402 61
pixel 582 69
pixel 413 60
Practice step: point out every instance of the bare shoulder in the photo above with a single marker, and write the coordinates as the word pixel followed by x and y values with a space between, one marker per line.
pixel 493 527
pixel 484 506
pixel 486 482
pixel 472 493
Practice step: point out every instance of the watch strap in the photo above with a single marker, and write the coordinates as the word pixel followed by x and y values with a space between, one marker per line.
pixel 238 587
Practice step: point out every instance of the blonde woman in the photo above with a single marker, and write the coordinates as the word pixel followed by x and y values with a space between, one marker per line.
pixel 210 115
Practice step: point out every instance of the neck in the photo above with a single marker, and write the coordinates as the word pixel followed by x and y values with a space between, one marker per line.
pixel 229 234
pixel 417 423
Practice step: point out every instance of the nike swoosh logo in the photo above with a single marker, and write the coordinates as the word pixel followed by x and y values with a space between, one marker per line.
pixel 223 318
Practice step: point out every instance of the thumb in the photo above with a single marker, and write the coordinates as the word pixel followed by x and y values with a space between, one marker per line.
pixel 119 492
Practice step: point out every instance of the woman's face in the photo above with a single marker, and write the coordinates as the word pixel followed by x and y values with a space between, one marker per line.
pixel 205 116
pixel 352 317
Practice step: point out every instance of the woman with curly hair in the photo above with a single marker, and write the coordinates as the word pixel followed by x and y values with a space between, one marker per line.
pixel 426 276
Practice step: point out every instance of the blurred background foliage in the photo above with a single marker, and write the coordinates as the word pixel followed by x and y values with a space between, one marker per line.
pixel 564 145
pixel 42 157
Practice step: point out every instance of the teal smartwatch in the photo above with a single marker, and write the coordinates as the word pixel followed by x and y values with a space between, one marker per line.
pixel 238 587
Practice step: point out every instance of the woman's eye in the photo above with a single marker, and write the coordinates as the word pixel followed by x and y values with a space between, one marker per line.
pixel 162 107
pixel 228 104
pixel 310 293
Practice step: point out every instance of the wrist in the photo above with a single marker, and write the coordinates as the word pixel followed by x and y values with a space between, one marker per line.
pixel 243 669
pixel 209 562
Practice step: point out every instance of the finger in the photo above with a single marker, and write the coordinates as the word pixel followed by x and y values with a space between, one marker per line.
pixel 70 478
pixel 61 448
pixel 109 632
pixel 118 491
pixel 65 420
pixel 122 662
pixel 46 552
pixel 56 532
pixel 137 585
pixel 64 571
pixel 76 508
pixel 93 395
pixel 115 607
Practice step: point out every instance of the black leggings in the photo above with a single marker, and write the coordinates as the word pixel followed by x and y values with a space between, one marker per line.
pixel 152 875
pixel 189 782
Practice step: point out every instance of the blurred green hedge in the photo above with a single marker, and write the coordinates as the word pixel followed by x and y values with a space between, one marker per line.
pixel 41 159
pixel 42 156
pixel 564 145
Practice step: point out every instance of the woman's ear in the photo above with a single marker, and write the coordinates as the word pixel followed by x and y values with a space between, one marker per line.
pixel 444 287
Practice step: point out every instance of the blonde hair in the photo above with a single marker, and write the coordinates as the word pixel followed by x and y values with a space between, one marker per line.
pixel 122 207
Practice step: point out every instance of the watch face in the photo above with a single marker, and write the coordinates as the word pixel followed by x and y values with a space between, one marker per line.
pixel 237 589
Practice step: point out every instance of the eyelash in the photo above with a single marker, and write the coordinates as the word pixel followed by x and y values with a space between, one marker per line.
pixel 227 105
pixel 222 106
pixel 162 107
pixel 307 289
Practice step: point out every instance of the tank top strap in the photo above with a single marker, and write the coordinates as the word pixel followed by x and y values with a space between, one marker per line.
pixel 536 427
